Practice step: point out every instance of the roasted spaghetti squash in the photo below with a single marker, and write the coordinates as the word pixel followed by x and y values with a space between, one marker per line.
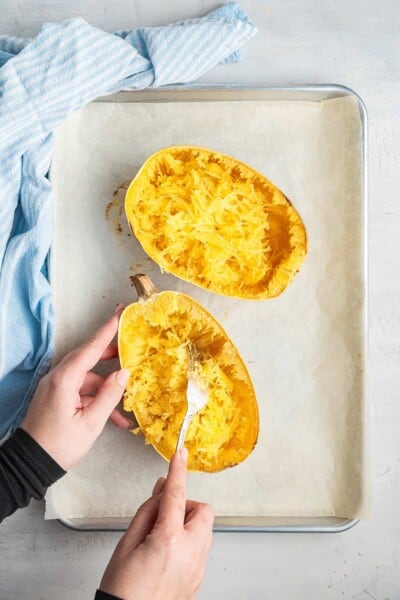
pixel 153 335
pixel 216 222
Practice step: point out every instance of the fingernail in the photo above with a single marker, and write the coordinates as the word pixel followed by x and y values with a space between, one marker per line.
pixel 119 309
pixel 122 377
pixel 158 486
pixel 184 454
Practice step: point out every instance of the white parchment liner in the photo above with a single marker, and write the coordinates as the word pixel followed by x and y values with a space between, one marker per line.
pixel 304 349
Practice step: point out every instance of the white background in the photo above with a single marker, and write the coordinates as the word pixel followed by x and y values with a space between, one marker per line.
pixel 355 43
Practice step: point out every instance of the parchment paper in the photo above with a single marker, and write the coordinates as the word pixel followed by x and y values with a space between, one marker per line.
pixel 304 349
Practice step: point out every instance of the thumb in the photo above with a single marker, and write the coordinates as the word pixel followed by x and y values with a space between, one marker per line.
pixel 109 394
pixel 141 524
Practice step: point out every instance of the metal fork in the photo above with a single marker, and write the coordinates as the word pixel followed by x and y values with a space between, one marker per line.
pixel 196 393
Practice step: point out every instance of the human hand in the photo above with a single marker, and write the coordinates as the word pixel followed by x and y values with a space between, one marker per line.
pixel 163 553
pixel 72 403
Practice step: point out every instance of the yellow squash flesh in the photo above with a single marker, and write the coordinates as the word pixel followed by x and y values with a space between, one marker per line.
pixel 153 338
pixel 216 222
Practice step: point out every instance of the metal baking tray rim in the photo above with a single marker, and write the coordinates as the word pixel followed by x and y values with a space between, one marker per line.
pixel 299 92
pixel 300 525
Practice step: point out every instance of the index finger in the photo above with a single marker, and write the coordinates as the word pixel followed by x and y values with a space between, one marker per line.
pixel 171 513
pixel 85 357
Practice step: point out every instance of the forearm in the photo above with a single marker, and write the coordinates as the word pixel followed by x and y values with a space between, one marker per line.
pixel 104 596
pixel 26 471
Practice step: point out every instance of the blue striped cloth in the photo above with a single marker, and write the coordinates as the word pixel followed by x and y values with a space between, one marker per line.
pixel 41 82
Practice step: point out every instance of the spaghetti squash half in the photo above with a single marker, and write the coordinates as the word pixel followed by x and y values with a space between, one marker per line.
pixel 153 337
pixel 216 222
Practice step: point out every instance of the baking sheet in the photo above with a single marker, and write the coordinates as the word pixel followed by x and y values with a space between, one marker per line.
pixel 304 349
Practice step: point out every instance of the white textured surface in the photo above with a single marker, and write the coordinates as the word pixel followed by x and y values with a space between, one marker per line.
pixel 357 44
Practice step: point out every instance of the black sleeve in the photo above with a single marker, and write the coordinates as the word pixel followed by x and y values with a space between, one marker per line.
pixel 26 471
pixel 104 596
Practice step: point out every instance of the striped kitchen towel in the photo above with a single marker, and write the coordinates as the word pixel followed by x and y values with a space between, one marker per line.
pixel 41 82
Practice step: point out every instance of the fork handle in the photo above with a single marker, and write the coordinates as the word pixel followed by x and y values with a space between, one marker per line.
pixel 183 431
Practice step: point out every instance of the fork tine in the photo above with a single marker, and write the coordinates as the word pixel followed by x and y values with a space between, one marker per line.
pixel 193 356
pixel 197 393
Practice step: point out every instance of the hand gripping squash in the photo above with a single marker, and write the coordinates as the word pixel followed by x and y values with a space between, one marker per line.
pixel 214 221
pixel 152 339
